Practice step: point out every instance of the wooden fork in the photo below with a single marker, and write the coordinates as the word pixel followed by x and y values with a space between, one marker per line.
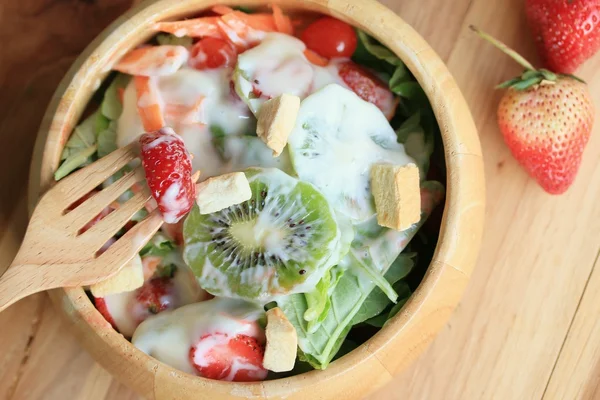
pixel 55 253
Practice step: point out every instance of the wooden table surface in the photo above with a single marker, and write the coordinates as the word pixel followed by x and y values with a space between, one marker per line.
pixel 527 327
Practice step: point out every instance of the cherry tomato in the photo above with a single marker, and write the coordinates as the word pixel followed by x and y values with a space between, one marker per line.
pixel 211 53
pixel 368 87
pixel 330 37
pixel 220 356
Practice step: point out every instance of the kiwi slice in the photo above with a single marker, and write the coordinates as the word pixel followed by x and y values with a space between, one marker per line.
pixel 279 242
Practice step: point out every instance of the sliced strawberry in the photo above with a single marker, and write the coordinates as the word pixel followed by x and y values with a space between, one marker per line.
pixel 157 295
pixel 168 168
pixel 97 218
pixel 232 358
pixel 103 309
pixel 368 87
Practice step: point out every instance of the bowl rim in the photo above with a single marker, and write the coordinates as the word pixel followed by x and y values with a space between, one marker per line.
pixel 429 307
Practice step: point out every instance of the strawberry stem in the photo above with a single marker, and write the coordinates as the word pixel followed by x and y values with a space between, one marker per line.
pixel 504 48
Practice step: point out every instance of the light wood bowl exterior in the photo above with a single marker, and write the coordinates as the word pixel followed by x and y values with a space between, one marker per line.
pixel 407 335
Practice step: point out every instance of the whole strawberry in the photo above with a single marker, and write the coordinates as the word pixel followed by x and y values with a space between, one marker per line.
pixel 168 168
pixel 546 120
pixel 566 32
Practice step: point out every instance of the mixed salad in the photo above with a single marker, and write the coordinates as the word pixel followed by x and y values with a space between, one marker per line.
pixel 295 161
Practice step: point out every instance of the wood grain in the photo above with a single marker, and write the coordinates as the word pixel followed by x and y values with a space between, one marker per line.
pixel 54 254
pixel 522 322
pixel 576 374
pixel 537 255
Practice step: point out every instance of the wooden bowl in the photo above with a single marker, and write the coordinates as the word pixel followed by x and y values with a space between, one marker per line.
pixel 407 335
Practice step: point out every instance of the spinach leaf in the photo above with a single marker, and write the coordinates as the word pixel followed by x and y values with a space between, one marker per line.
pixel 418 143
pixel 414 114
pixel 319 347
pixel 97 133
pixel 377 301
pixel 404 294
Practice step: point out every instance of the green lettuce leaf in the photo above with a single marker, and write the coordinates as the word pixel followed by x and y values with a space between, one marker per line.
pixel 80 147
pixel 377 301
pixel 160 246
pixel 107 139
pixel 111 106
pixel 74 161
pixel 319 347
pixel 418 143
pixel 418 126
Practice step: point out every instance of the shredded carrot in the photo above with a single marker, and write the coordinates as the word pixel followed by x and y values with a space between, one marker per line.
pixel 133 56
pixel 392 111
pixel 197 27
pixel 235 26
pixel 221 9
pixel 315 58
pixel 121 94
pixel 148 103
pixel 186 114
pixel 150 265
pixel 282 22
pixel 153 60
pixel 175 110
pixel 194 114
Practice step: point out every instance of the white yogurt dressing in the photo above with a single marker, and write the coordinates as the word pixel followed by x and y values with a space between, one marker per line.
pixel 339 135
pixel 242 152
pixel 192 101
pixel 168 336
pixel 278 65
pixel 118 307
pixel 121 306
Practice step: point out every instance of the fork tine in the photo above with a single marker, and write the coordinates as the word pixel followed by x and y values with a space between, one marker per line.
pixel 108 226
pixel 127 246
pixel 81 182
pixel 93 206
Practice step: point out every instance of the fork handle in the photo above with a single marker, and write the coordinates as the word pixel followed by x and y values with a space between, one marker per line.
pixel 19 281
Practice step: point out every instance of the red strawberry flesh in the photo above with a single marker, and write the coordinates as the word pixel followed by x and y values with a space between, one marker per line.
pixel 103 309
pixel 168 168
pixel 236 358
pixel 368 87
pixel 157 295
